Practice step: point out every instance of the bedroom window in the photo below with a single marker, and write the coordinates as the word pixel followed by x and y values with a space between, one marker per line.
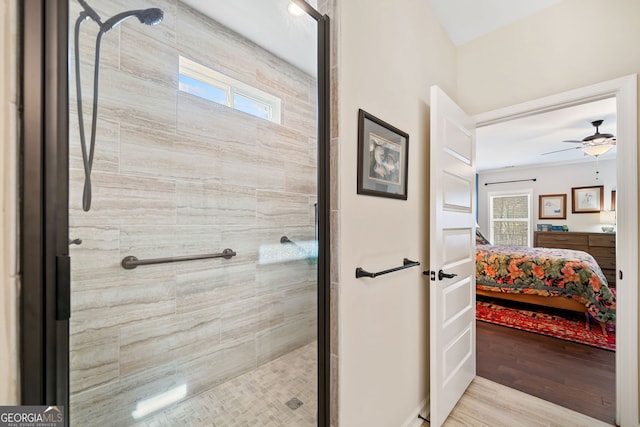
pixel 214 86
pixel 510 218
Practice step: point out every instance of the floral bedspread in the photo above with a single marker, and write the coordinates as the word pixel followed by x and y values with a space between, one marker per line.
pixel 548 272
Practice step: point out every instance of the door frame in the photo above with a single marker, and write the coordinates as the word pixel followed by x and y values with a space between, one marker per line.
pixel 44 217
pixel 625 91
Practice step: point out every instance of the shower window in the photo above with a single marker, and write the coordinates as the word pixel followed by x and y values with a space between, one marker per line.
pixel 212 85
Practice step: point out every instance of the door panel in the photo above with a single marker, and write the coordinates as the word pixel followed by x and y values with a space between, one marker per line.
pixel 452 249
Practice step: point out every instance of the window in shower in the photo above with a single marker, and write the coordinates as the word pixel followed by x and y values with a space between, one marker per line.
pixel 212 85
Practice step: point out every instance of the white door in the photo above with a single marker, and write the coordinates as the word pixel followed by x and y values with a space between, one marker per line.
pixel 452 253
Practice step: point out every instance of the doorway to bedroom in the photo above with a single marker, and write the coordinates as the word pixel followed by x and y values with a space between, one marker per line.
pixel 536 163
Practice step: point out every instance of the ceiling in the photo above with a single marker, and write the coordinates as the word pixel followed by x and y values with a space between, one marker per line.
pixel 465 20
pixel 521 142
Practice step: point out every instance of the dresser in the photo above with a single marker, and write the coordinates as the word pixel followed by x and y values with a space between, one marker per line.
pixel 602 246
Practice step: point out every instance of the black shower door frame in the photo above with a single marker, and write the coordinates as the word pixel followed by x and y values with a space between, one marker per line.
pixel 44 205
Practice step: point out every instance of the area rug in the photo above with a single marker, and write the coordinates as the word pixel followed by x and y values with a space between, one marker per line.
pixel 561 324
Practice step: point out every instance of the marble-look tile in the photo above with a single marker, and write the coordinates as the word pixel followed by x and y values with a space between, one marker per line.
pixel 106 156
pixel 214 122
pixel 271 173
pixel 146 57
pixel 93 358
pixel 334 320
pixel 100 248
pixel 335 105
pixel 334 218
pixel 301 303
pixel 133 99
pixel 109 48
pixel 335 390
pixel 282 208
pixel 231 360
pixel 248 316
pixel 148 241
pixel 205 286
pixel 301 178
pixel 122 199
pixel 334 177
pixel 276 77
pixel 165 155
pixel 275 342
pixel 163 31
pixel 277 142
pixel 254 244
pixel 283 276
pixel 201 203
pixel 117 297
pixel 301 116
pixel 239 166
pixel 174 338
pixel 113 404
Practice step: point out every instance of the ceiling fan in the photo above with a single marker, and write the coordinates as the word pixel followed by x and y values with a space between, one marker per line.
pixel 593 145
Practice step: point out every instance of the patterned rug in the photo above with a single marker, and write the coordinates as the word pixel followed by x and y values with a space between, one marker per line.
pixel 561 324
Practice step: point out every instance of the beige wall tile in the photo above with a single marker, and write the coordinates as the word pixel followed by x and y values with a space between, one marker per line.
pixel 94 358
pixel 171 339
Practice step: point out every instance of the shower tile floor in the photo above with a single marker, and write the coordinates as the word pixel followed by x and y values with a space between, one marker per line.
pixel 257 398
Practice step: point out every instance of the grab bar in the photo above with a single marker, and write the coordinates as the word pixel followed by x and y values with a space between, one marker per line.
pixel 406 263
pixel 130 262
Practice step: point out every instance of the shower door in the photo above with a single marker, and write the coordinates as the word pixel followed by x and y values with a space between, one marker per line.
pixel 193 213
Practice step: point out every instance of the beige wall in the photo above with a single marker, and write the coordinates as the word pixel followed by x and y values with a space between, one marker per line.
pixel 176 175
pixel 9 278
pixel 573 44
pixel 390 53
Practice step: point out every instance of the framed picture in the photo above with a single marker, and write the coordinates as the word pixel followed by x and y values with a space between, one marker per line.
pixel 587 199
pixel 552 206
pixel 383 157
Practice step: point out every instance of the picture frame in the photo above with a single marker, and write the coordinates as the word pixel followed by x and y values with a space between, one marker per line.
pixel 587 199
pixel 613 200
pixel 383 158
pixel 552 206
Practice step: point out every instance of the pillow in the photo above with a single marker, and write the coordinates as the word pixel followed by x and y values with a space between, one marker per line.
pixel 480 239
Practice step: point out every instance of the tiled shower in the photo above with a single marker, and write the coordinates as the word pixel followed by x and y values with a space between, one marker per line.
pixel 175 174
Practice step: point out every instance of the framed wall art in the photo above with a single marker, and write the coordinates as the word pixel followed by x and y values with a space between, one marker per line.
pixel 587 199
pixel 552 206
pixel 383 157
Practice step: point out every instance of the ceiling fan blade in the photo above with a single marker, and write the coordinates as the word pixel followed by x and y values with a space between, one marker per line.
pixel 558 151
pixel 573 140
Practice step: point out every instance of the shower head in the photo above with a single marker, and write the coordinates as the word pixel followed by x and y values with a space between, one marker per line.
pixel 151 16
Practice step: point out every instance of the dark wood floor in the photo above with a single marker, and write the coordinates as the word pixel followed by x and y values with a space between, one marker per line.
pixel 572 375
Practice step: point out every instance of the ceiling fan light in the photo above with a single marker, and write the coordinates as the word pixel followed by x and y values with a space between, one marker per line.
pixel 597 150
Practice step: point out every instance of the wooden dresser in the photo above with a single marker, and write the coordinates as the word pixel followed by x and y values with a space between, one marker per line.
pixel 602 246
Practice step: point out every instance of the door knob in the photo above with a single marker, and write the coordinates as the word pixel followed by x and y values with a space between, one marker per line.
pixel 442 274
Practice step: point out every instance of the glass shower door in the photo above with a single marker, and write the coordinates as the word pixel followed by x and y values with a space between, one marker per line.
pixel 192 214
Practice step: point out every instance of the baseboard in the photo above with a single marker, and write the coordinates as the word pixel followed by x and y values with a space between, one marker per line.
pixel 422 409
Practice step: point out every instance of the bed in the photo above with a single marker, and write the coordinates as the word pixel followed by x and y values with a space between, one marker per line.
pixel 558 278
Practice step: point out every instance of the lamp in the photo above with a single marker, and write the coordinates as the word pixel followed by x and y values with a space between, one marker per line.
pixel 597 150
pixel 608 221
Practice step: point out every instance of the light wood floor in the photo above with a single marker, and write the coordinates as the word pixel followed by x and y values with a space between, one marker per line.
pixel 489 404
